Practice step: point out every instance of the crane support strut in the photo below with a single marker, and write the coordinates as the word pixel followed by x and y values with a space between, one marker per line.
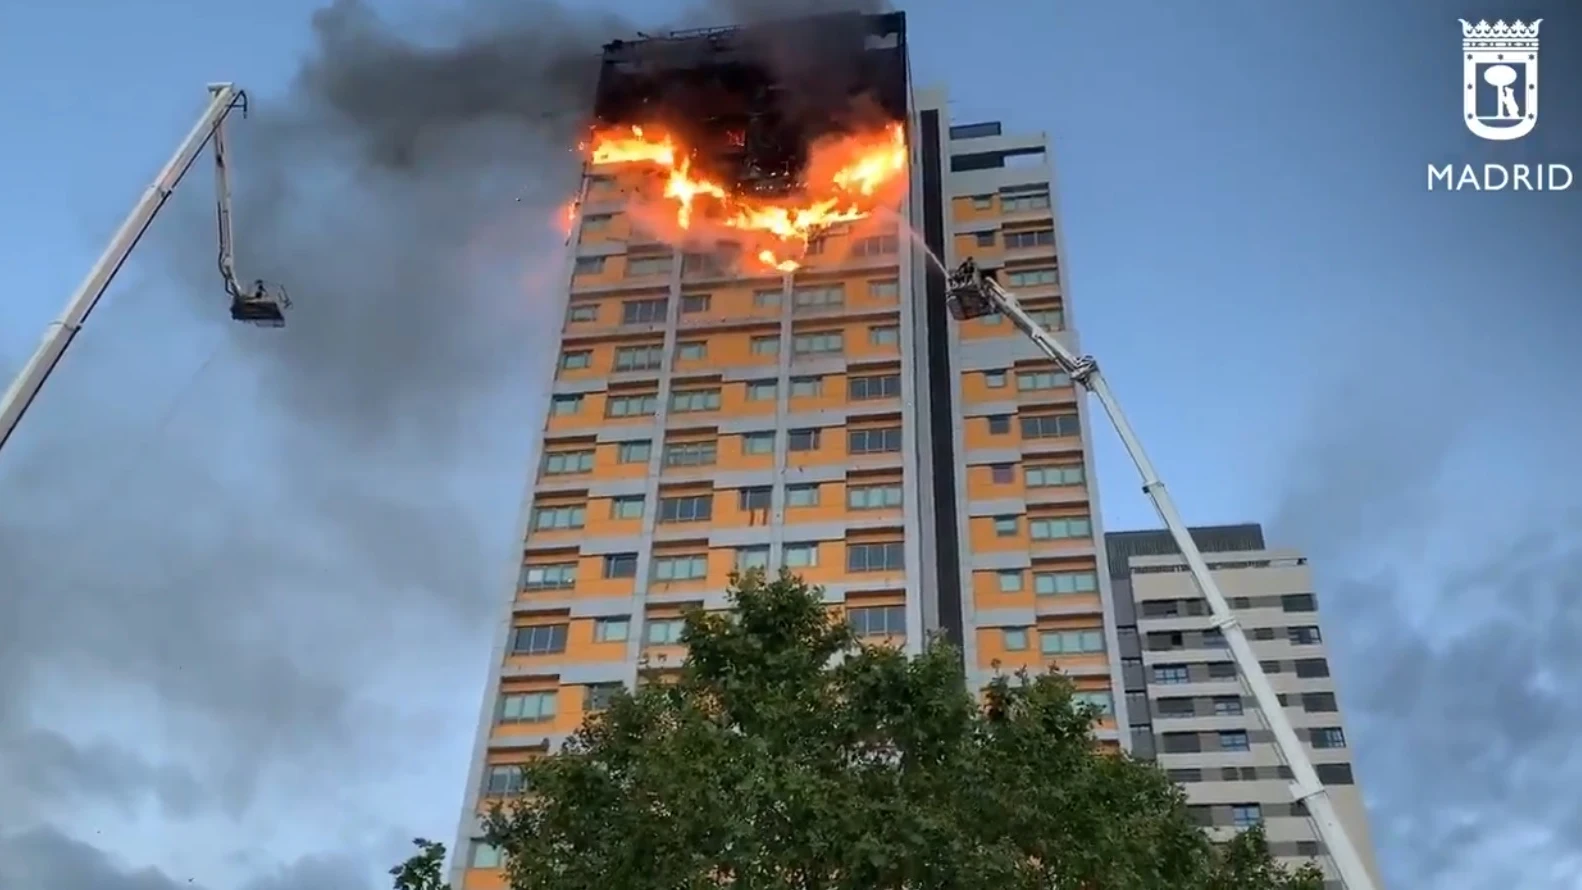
pixel 973 293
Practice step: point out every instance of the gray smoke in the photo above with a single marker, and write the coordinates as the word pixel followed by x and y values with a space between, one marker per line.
pixel 249 575
pixel 1448 585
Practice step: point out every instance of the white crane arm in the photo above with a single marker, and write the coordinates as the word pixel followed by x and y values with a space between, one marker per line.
pixel 972 293
pixel 260 305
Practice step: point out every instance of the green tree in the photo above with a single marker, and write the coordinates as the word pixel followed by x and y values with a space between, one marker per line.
pixel 782 755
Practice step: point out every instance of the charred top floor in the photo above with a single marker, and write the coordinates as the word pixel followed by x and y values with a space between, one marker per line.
pixel 750 100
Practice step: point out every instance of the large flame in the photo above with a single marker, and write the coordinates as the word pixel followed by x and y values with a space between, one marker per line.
pixel 847 179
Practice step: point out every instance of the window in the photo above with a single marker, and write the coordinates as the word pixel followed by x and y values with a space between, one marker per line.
pixel 681 568
pixel 1014 639
pixel 1009 581
pixel 1049 318
pixel 1304 636
pixel 692 350
pixel 565 405
pixel 485 856
pixel 600 696
pixel 627 507
pixel 881 386
pixel 541 639
pixel 1299 602
pixel 690 454
pixel 752 558
pixel 999 424
pixel 806 387
pixel 1319 702
pixel 874 497
pixel 802 440
pixel 505 778
pixel 883 335
pixel 1328 737
pixel 1054 476
pixel 984 239
pixel 994 379
pixel 1180 743
pixel 878 245
pixel 1056 583
pixel 576 361
pixel 1059 529
pixel 975 131
pixel 634 452
pixel 527 707
pixel 877 621
pixel 1057 642
pixel 758 443
pixel 766 299
pixel 1171 674
pixel 664 631
pixel 686 400
pixel 768 344
pixel 831 296
pixel 1234 740
pixel 1161 608
pixel 561 463
pixel 887 289
pixel 596 221
pixel 558 576
pixel 643 311
pixel 643 405
pixel 762 390
pixel 692 304
pixel 982 202
pixel 819 343
pixel 1246 815
pixel 1025 239
pixel 1185 776
pixel 1030 277
pixel 1222 670
pixel 1309 668
pixel 755 498
pixel 1227 706
pixel 1102 701
pixel 801 556
pixel 1176 707
pixel 1005 526
pixel 802 495
pixel 639 358
pixel 553 518
pixel 1270 667
pixel 1028 381
pixel 637 267
pixel 1002 474
pixel 1049 426
pixel 687 508
pixel 584 312
pixel 1214 639
pixel 886 557
pixel 873 441
pixel 620 565
pixel 1017 202
pixel 589 265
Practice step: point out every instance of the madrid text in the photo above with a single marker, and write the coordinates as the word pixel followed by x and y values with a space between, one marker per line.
pixel 1499 177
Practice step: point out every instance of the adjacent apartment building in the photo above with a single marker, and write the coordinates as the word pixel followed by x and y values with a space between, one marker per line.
pixel 1188 710
pixel 931 476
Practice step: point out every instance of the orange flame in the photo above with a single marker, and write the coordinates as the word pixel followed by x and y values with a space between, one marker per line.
pixel 847 179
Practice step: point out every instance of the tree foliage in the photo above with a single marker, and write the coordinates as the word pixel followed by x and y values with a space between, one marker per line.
pixel 784 756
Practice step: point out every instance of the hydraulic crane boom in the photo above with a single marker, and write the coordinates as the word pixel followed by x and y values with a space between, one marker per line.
pixel 973 293
pixel 261 304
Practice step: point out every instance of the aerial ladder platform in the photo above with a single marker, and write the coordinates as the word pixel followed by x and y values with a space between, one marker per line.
pixel 973 292
pixel 258 303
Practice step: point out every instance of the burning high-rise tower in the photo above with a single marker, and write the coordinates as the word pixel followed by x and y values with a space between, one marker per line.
pixel 757 369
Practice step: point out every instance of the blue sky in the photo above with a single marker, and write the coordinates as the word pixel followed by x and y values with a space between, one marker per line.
pixel 248 581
